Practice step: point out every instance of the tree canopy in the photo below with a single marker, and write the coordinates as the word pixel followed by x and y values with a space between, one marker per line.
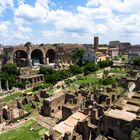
pixel 136 61
pixel 105 63
pixel 78 55
pixel 9 72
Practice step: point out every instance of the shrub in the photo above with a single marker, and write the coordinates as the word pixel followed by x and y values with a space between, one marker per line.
pixel 105 63
pixel 39 87
pixel 75 69
pixel 90 67
pixel 107 81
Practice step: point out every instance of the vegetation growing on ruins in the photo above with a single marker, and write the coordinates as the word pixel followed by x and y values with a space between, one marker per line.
pixel 24 132
pixel 12 97
pixel 52 76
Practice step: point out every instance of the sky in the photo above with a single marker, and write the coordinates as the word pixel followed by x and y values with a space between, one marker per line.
pixel 69 21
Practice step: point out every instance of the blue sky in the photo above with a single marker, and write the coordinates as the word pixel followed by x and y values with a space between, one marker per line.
pixel 69 21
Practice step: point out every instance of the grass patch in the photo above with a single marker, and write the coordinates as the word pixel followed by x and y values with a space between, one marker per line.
pixel 86 80
pixel 24 133
pixel 50 91
pixel 12 97
pixel 27 108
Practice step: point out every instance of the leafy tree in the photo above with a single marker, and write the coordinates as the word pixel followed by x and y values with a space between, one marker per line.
pixel 75 69
pixel 123 59
pixel 46 71
pixel 136 61
pixel 105 73
pixel 90 67
pixel 10 69
pixel 9 72
pixel 107 81
pixel 105 63
pixel 78 55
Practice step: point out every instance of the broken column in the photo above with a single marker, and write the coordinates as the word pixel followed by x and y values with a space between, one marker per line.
pixel 7 85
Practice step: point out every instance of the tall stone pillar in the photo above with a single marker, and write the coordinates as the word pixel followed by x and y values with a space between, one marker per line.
pixel 30 62
pixel 43 59
pixel 7 85
pixel 47 61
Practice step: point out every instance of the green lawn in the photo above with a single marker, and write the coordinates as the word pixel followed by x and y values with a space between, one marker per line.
pixel 27 108
pixel 50 91
pixel 86 80
pixel 12 97
pixel 24 133
pixel 118 71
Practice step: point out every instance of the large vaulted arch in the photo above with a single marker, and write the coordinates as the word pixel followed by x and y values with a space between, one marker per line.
pixel 51 55
pixel 37 57
pixel 20 54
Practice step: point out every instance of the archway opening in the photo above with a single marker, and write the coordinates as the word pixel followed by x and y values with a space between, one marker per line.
pixel 51 55
pixel 21 58
pixel 20 54
pixel 37 57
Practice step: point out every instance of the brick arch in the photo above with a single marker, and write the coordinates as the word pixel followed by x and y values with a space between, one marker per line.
pixel 19 48
pixel 37 56
pixel 51 55
pixel 20 54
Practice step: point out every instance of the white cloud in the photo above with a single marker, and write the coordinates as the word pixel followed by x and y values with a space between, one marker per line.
pixel 110 19
pixel 18 35
pixel 25 29
pixel 4 28
pixel 4 4
pixel 33 13
pixel 120 5
pixel 50 34
pixel 20 2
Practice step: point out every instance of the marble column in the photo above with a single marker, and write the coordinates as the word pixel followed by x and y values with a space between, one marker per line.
pixel 7 85
pixel 47 61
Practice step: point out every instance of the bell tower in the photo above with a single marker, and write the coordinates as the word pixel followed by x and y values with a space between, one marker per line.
pixel 96 43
